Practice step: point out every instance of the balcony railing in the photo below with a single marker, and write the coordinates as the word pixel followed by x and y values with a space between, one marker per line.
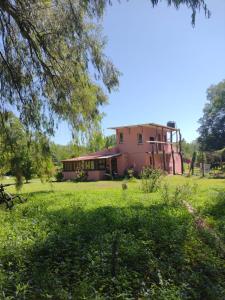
pixel 159 146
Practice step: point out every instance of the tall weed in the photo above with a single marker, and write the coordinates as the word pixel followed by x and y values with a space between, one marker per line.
pixel 150 179
pixel 181 193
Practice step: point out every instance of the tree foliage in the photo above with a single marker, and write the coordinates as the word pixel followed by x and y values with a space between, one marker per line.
pixel 46 51
pixel 97 141
pixel 60 152
pixel 23 154
pixel 189 148
pixel 212 124
pixel 52 63
pixel 12 137
pixel 110 141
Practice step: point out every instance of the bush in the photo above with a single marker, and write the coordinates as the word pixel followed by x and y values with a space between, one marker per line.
pixel 165 193
pixel 81 176
pixel 130 174
pixel 59 176
pixel 150 179
pixel 184 192
pixel 181 193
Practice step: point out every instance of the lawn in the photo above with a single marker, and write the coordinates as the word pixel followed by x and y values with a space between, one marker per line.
pixel 97 241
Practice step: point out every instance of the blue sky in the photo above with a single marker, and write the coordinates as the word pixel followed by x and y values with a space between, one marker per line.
pixel 167 65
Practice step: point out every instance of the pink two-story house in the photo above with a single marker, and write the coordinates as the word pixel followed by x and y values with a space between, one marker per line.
pixel 152 145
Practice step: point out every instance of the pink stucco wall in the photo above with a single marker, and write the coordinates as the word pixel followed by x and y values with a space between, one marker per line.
pixel 68 175
pixel 92 175
pixel 96 175
pixel 136 155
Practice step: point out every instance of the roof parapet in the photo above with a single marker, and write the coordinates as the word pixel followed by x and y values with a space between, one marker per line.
pixel 146 125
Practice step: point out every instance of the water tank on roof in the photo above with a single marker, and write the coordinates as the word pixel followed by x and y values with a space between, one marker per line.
pixel 171 124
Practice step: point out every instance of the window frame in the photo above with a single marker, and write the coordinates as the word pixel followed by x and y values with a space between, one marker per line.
pixel 121 140
pixel 151 139
pixel 86 165
pixel 140 142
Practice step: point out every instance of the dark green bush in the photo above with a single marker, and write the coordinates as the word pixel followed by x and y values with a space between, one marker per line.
pixel 59 176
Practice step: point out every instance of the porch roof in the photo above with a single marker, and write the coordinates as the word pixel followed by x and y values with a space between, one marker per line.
pixel 92 157
pixel 146 125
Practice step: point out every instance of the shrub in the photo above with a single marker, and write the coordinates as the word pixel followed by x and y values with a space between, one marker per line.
pixel 124 186
pixel 81 176
pixel 150 179
pixel 130 174
pixel 184 192
pixel 181 193
pixel 59 176
pixel 165 193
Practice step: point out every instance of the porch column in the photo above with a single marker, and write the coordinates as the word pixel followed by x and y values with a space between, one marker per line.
pixel 110 166
pixel 180 152
pixel 172 152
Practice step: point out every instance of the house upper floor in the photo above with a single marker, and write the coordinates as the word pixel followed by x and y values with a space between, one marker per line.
pixel 148 138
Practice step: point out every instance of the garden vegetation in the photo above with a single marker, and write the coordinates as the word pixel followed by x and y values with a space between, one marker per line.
pixel 99 241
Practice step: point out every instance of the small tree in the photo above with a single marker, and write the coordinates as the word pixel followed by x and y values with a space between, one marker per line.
pixel 27 168
pixel 192 166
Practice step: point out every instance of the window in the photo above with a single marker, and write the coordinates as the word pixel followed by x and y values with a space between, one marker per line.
pixel 89 165
pixel 151 138
pixel 100 164
pixel 68 166
pixel 121 137
pixel 86 165
pixel 140 138
pixel 92 165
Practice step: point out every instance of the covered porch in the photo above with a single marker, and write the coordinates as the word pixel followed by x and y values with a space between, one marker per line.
pixel 97 167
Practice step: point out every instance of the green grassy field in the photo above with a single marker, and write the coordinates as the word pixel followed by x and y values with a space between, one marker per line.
pixel 97 241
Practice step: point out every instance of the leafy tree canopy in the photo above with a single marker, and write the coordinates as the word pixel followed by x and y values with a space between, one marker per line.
pixel 212 124
pixel 52 63
pixel 60 152
pixel 23 154
pixel 189 148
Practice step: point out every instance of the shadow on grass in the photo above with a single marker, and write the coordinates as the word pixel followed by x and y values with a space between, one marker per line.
pixel 216 209
pixel 112 252
pixel 216 176
pixel 39 193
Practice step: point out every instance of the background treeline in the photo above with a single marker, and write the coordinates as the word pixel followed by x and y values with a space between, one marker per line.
pixel 26 154
pixel 95 142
